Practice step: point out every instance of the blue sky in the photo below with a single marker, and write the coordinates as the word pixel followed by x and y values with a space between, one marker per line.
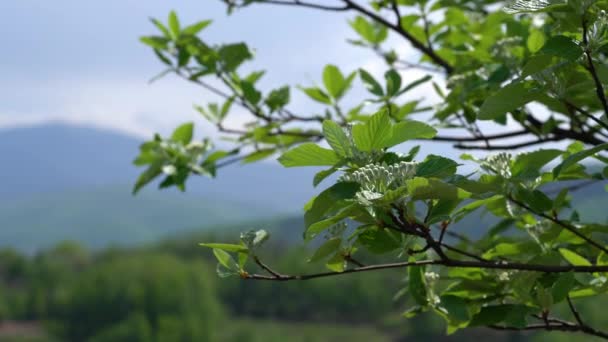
pixel 80 62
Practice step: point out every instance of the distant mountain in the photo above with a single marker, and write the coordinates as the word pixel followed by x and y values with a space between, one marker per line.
pixel 59 157
pixel 69 182
pixel 98 217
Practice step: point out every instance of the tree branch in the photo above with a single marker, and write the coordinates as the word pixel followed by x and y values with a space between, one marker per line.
pixel 405 34
pixel 500 265
pixel 599 88
pixel 572 229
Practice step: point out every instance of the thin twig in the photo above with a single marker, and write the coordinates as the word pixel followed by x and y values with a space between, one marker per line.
pixel 572 229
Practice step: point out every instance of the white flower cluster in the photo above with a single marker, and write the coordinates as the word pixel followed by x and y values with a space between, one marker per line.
pixel 376 179
pixel 598 32
pixel 504 276
pixel 431 277
pixel 380 178
pixel 499 164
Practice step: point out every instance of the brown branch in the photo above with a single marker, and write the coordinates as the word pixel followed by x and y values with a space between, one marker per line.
pixel 588 115
pixel 575 313
pixel 462 252
pixel 500 265
pixel 555 325
pixel 599 88
pixel 267 269
pixel 506 147
pixel 304 4
pixel 572 229
pixel 477 138
pixel 403 33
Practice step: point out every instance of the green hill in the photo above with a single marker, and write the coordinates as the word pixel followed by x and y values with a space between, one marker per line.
pixel 111 215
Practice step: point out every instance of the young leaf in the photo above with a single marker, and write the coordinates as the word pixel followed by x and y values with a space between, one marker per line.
pixel 225 259
pixel 408 130
pixel 337 139
pixel 194 29
pixel 330 246
pixel 316 94
pixel 333 80
pixel 233 55
pixel 148 175
pixel 374 134
pixel 327 200
pixel 509 98
pixel 436 166
pixel 370 83
pixel 225 247
pixel 308 154
pixel 576 157
pixel 573 258
pixel 183 133
pixel 562 46
pixel 393 82
pixel 173 25
pixel 417 286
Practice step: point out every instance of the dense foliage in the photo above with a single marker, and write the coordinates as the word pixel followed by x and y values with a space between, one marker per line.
pixel 534 69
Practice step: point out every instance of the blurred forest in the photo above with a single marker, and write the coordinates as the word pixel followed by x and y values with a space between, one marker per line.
pixel 168 291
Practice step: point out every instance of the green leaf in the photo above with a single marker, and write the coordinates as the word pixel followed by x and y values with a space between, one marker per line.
pixel 573 258
pixel 327 201
pixel 416 83
pixel 148 175
pixel 226 247
pixel 321 175
pixel 278 98
pixel 424 188
pixel 333 80
pixel 161 27
pixel 416 285
pixel 535 199
pixel 233 55
pixel 370 83
pixel 436 166
pixel 536 40
pixel 576 157
pixel 409 130
pixel 308 154
pixel 337 139
pixel 564 284
pixel 225 259
pixel 173 25
pixel 316 94
pixel 330 246
pixel 194 29
pixel 562 46
pixel 258 155
pixel 393 82
pixel 528 165
pixel 513 315
pixel 456 308
pixel 504 249
pixel 507 99
pixel 337 263
pixel 374 134
pixel 365 29
pixel 537 64
pixel 158 43
pixel 251 94
pixel 378 240
pixel 183 133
